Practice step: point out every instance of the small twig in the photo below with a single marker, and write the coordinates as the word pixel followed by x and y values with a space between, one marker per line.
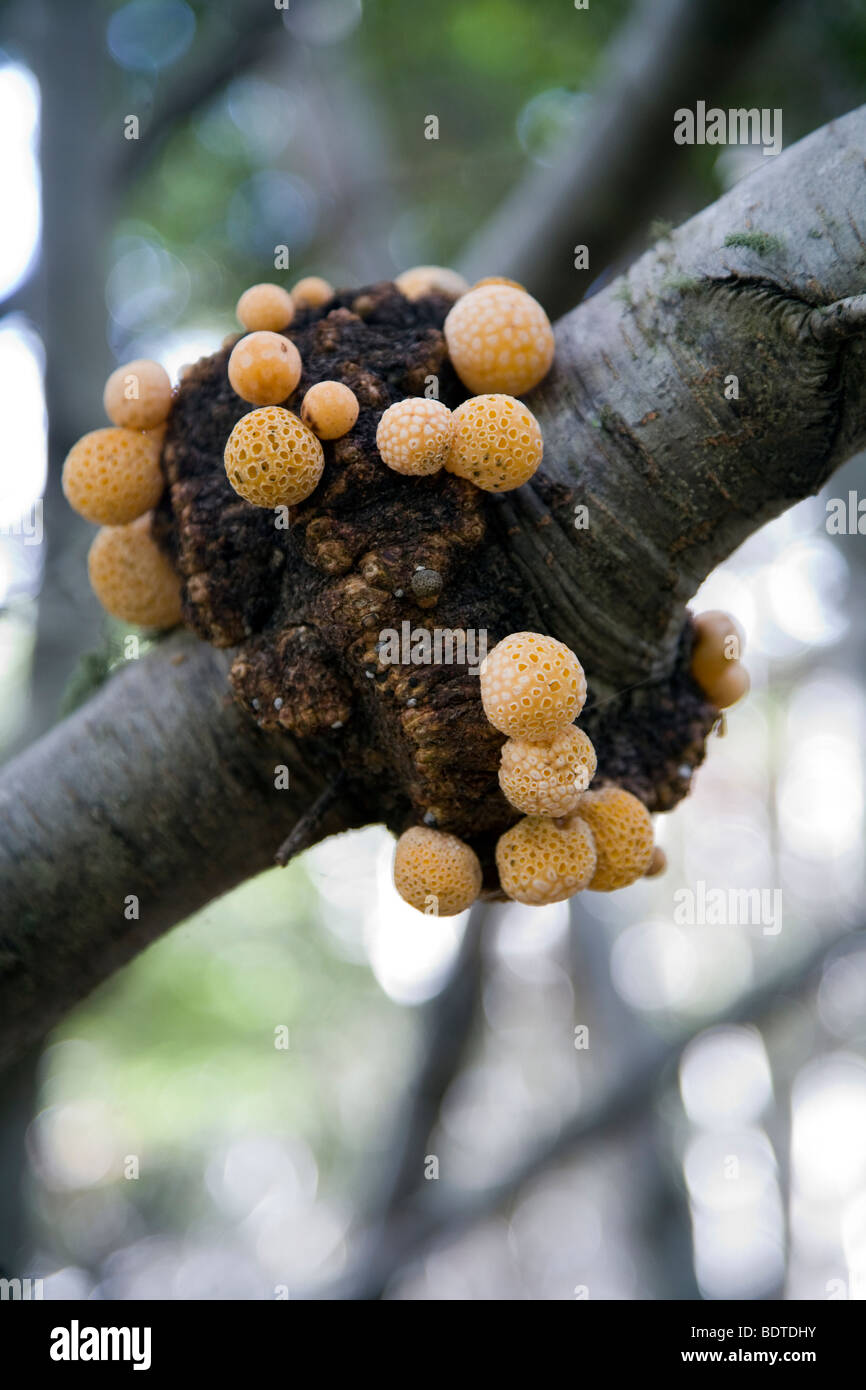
pixel 305 830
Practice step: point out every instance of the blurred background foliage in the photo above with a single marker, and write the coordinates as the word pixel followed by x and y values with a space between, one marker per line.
pixel 257 1163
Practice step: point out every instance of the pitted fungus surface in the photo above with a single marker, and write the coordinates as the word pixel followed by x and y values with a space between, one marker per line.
pixel 436 872
pixel 499 339
pixel 547 779
pixel 112 475
pixel 272 459
pixel 623 832
pixel 541 863
pixel 496 443
pixel 413 436
pixel 532 686
pixel 132 578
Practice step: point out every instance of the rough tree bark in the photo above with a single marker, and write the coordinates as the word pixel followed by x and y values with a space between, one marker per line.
pixel 162 788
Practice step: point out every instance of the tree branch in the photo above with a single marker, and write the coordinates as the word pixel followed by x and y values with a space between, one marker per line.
pixel 163 789
pixel 837 322
pixel 447 1030
pixel 155 797
pixel 670 53
pixel 686 408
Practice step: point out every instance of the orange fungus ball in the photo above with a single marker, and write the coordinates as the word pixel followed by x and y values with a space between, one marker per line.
pixel 430 279
pixel 312 292
pixel 623 833
pixel 540 862
pixel 498 280
pixel 112 475
pixel 718 644
pixel 496 443
pixel 499 339
pixel 132 578
pixel 329 409
pixel 729 687
pixel 547 779
pixel 658 863
pixel 531 686
pixel 414 435
pixel 272 459
pixel 138 395
pixel 268 307
pixel 436 872
pixel 264 368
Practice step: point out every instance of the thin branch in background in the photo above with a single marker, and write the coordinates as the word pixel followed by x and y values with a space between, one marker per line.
pixel 669 55
pixel 308 827
pixel 448 1028
pixel 435 1220
pixel 253 30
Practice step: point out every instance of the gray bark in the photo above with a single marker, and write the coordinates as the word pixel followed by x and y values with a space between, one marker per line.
pixel 635 418
pixel 159 788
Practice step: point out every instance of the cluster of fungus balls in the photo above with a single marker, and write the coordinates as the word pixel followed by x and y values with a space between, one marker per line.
pixel 501 344
pixel 532 689
pixel 569 838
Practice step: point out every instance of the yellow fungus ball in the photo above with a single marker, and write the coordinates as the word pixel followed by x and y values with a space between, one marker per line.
pixel 547 779
pixel 623 832
pixel 112 475
pixel 264 368
pixel 329 409
pixel 312 292
pixel 138 395
pixel 272 459
pixel 531 686
pixel 499 280
pixel 414 436
pixel 719 643
pixel 729 687
pixel 436 872
pixel 496 443
pixel 499 339
pixel 540 862
pixel 268 307
pixel 132 578
pixel 430 279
